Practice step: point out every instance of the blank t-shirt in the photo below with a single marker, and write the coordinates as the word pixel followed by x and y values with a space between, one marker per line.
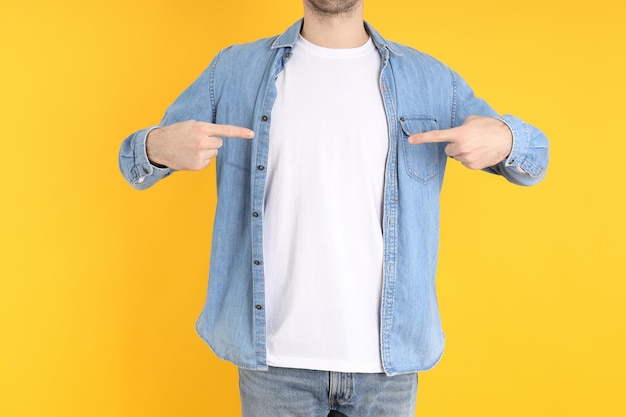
pixel 323 243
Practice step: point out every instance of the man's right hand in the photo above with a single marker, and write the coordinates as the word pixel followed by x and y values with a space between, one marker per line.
pixel 190 145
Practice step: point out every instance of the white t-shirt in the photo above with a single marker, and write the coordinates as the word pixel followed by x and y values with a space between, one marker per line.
pixel 323 240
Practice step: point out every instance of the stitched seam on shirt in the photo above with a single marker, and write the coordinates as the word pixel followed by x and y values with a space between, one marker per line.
pixel 454 104
pixel 212 86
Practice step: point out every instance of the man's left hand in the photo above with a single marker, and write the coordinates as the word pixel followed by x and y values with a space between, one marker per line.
pixel 480 142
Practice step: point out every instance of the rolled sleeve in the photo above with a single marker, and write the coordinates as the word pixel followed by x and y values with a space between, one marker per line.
pixel 134 163
pixel 528 161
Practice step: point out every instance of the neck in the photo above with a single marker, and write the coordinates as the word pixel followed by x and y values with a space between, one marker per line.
pixel 340 30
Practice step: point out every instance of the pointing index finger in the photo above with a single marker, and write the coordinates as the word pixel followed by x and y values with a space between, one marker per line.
pixel 229 131
pixel 433 136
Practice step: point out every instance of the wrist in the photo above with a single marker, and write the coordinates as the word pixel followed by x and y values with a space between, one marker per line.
pixel 152 153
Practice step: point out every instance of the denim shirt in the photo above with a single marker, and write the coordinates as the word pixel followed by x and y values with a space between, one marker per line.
pixel 419 94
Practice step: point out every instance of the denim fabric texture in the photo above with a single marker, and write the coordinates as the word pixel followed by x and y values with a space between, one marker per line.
pixel 306 393
pixel 419 94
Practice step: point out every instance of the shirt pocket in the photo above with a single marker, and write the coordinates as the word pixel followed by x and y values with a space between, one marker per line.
pixel 422 160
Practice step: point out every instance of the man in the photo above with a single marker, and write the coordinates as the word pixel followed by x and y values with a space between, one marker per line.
pixel 322 276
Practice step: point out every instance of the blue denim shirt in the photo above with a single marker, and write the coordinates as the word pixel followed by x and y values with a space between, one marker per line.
pixel 419 94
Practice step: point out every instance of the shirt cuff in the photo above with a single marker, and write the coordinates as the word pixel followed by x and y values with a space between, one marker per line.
pixel 143 167
pixel 517 159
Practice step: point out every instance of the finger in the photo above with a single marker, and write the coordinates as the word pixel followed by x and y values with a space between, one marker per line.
pixel 228 131
pixel 452 150
pixel 207 156
pixel 434 136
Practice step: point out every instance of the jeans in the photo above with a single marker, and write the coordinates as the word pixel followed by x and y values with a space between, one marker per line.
pixel 282 392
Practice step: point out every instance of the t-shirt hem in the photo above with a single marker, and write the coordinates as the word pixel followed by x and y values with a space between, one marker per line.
pixel 325 365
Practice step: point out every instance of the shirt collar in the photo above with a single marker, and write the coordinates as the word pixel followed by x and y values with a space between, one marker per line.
pixel 290 36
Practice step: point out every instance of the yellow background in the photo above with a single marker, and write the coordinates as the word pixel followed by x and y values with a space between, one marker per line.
pixel 101 285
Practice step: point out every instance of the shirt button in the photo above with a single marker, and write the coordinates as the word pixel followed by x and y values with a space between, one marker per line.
pixel 258 307
pixel 260 167
pixel 264 118
pixel 145 170
pixel 257 262
pixel 255 214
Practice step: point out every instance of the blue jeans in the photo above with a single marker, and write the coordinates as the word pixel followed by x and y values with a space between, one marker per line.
pixel 282 392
